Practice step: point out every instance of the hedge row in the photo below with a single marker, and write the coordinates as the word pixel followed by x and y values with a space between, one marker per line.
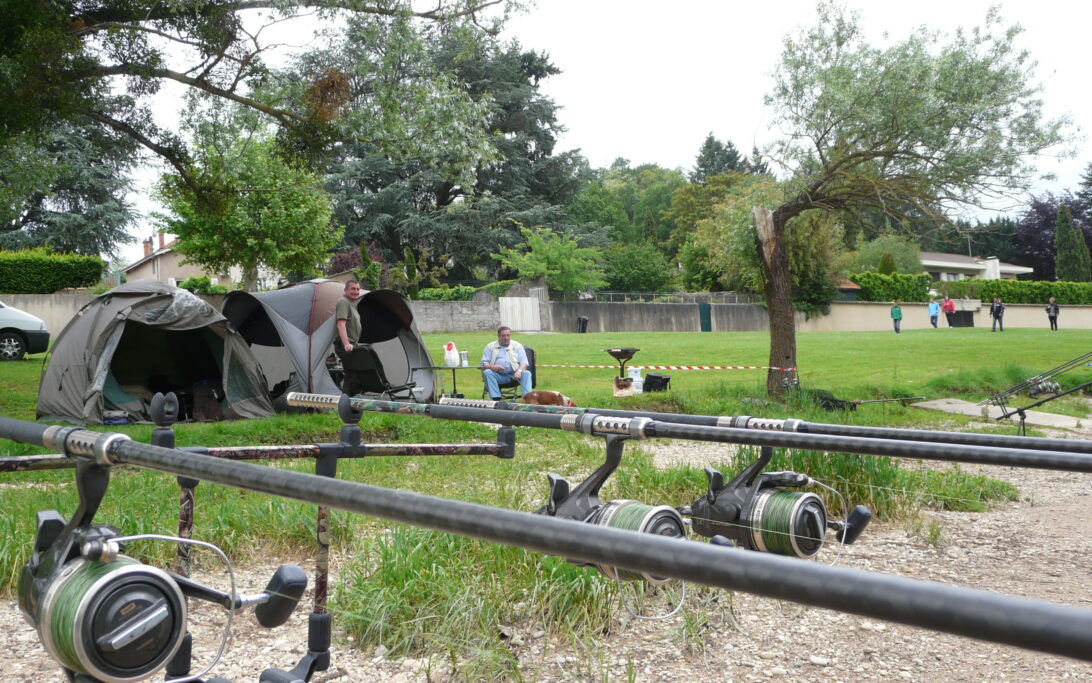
pixel 1019 291
pixel 894 287
pixel 38 271
pixel 462 292
pixel 456 293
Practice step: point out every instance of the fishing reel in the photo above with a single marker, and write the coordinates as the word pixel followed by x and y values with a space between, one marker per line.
pixel 105 616
pixel 756 511
pixel 583 505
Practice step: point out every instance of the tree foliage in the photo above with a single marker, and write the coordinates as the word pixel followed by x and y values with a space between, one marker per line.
pixel 632 202
pixel 62 61
pixel 567 267
pixel 902 250
pixel 1036 228
pixel 813 243
pixel 270 211
pixel 393 203
pixel 716 157
pixel 638 268
pixel 65 190
pixel 1072 263
pixel 926 123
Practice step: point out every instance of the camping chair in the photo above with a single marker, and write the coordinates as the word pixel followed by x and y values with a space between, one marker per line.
pixel 509 391
pixel 366 363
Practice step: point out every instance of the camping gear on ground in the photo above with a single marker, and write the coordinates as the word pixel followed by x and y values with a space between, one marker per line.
pixel 292 331
pixel 623 386
pixel 451 355
pixel 141 338
pixel 654 381
pixel 622 355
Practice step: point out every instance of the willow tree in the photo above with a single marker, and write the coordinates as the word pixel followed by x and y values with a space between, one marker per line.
pixel 923 125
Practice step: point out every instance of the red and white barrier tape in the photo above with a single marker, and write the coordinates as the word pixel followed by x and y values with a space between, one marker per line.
pixel 675 367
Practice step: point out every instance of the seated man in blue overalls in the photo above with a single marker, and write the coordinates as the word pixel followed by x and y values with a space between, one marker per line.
pixel 503 361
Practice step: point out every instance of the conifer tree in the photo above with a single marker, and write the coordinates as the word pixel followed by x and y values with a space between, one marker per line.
pixel 1071 262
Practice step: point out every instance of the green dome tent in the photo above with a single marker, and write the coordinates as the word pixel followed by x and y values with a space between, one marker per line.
pixel 146 337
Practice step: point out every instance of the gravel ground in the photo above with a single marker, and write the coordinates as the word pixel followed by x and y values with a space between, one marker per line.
pixel 1037 547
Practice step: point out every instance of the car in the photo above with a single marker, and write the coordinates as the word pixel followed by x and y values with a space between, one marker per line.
pixel 20 333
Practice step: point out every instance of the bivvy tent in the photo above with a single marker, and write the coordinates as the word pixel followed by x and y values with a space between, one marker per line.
pixel 146 337
pixel 292 331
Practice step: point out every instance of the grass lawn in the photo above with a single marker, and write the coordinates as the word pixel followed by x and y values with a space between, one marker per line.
pixel 423 592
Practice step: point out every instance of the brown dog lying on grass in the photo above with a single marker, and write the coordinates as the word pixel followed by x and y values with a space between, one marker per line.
pixel 548 398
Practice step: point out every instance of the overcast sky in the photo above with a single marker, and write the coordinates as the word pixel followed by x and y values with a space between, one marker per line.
pixel 648 80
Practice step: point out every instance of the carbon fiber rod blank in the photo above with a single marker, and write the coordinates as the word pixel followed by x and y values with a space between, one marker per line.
pixel 55 461
pixel 1032 624
pixel 642 427
pixel 748 422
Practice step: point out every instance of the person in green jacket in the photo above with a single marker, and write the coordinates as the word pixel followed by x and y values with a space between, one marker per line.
pixel 896 316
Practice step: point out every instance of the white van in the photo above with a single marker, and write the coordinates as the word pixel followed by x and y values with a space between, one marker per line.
pixel 20 333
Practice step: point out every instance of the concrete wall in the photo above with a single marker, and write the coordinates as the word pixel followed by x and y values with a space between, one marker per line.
pixel 55 310
pixel 456 316
pixel 606 317
pixel 477 316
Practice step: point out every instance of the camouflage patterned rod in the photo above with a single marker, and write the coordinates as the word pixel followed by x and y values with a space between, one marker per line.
pixel 643 427
pixel 770 424
pixel 54 461
pixel 1032 624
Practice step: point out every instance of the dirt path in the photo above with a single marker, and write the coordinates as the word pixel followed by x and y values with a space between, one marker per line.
pixel 1037 547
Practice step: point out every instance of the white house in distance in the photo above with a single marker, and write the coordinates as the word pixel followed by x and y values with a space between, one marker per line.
pixel 165 265
pixel 950 267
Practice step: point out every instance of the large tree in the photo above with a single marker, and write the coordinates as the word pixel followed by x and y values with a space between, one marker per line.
pixel 65 190
pixel 1035 232
pixel 101 60
pixel 1071 260
pixel 926 123
pixel 393 202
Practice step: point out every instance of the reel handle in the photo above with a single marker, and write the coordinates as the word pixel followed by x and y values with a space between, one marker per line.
pixel 284 590
pixel 858 519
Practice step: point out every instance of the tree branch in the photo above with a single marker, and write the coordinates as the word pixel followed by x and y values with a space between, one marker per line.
pixel 176 158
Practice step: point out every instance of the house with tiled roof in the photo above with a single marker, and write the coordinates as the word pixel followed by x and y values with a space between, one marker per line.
pixel 164 263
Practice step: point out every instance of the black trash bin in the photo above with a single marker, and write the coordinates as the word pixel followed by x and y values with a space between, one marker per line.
pixel 582 324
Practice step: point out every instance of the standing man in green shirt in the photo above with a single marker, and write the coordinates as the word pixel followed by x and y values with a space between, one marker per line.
pixel 896 316
pixel 348 334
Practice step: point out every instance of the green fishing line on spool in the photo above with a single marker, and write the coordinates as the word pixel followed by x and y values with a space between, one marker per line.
pixel 632 515
pixel 77 581
pixel 89 600
pixel 788 522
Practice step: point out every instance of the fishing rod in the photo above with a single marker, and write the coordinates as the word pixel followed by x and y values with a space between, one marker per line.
pixel 644 428
pixel 504 449
pixel 146 632
pixel 801 426
pixel 1001 398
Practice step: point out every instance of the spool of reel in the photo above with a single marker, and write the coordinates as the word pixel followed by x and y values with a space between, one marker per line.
pixel 115 621
pixel 633 515
pixel 787 522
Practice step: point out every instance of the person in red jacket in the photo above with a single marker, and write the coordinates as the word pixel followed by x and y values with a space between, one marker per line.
pixel 948 309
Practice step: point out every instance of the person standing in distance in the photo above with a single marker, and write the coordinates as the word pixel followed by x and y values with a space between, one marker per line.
pixel 1052 313
pixel 896 316
pixel 502 361
pixel 997 312
pixel 948 308
pixel 348 334
pixel 934 312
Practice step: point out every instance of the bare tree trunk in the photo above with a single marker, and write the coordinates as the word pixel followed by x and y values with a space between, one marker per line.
pixel 778 294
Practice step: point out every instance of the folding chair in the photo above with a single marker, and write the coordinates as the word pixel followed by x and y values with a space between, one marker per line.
pixel 369 369
pixel 509 391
